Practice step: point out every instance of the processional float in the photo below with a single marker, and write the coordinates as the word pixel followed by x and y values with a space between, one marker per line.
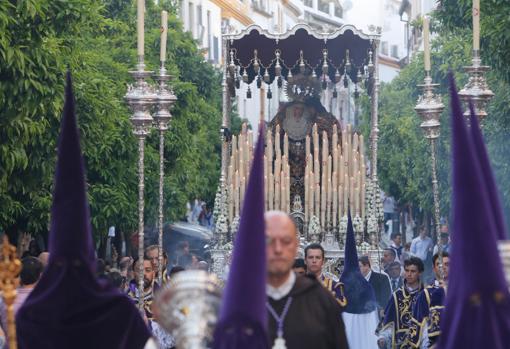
pixel 316 166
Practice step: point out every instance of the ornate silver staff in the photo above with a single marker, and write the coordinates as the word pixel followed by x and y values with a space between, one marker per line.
pixel 140 98
pixel 429 108
pixel 165 101
pixel 476 89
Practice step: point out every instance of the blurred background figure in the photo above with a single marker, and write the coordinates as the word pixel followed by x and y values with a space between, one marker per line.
pixel 299 266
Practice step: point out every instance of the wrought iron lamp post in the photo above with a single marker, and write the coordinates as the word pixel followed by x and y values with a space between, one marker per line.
pixel 429 108
pixel 141 98
pixel 165 100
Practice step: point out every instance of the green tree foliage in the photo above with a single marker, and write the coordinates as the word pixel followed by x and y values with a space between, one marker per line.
pixel 455 16
pixel 404 154
pixel 97 40
pixel 494 24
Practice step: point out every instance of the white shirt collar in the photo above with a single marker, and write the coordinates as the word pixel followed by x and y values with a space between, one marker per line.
pixel 367 277
pixel 278 293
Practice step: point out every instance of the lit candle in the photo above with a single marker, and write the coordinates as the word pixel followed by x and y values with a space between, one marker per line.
pixel 283 203
pixel 335 199
pixel 323 203
pixel 363 189
pixel 426 43
pixel 317 201
pixel 286 145
pixel 140 9
pixel 351 195
pixel 356 200
pixel 306 185
pixel 346 194
pixel 307 147
pixel 231 203
pixel 287 185
pixel 277 183
pixel 328 203
pixel 236 195
pixel 334 148
pixel 340 202
pixel 271 191
pixel 476 25
pixel 311 197
pixel 243 189
pixel 164 35
pixel 265 180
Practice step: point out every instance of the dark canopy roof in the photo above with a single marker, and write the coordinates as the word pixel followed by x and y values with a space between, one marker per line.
pixel 301 40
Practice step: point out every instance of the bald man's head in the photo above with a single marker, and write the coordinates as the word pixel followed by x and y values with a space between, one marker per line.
pixel 43 257
pixel 282 243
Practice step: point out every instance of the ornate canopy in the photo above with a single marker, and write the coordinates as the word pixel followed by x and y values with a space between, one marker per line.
pixel 256 53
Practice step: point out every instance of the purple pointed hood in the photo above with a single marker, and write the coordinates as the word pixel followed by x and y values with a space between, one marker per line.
pixel 477 312
pixel 68 308
pixel 358 291
pixel 488 176
pixel 243 316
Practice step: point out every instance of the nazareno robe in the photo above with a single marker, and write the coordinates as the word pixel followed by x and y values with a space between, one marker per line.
pixel 398 316
pixel 313 320
pixel 427 313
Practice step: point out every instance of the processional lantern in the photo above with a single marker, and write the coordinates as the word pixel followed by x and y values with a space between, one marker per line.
pixel 315 162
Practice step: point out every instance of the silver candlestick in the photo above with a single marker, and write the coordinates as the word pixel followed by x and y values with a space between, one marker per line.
pixel 429 108
pixel 165 101
pixel 140 98
pixel 476 88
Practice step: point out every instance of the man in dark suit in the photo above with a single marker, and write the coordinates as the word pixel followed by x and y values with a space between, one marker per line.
pixel 395 274
pixel 380 282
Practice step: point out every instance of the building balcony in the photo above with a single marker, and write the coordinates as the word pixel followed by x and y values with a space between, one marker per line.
pixel 323 10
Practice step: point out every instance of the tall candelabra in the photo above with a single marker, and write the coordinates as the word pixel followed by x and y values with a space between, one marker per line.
pixel 141 97
pixel 374 214
pixel 165 100
pixel 429 108
pixel 476 89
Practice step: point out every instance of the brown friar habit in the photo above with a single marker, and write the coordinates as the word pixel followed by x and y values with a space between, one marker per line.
pixel 313 320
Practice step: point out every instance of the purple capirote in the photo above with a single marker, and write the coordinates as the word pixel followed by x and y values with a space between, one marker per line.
pixel 477 307
pixel 488 176
pixel 69 308
pixel 243 315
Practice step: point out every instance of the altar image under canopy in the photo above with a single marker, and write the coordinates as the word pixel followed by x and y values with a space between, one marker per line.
pixel 317 166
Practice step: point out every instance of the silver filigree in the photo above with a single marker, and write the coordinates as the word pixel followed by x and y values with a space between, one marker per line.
pixel 188 308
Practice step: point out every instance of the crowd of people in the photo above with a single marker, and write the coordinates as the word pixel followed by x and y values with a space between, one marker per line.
pixel 122 273
pixel 198 212
pixel 398 278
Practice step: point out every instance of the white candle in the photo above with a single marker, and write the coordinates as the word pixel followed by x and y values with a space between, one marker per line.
pixel 140 9
pixel 271 191
pixel 476 24
pixel 334 199
pixel 426 43
pixel 231 202
pixel 286 145
pixel 306 185
pixel 164 35
pixel 317 201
